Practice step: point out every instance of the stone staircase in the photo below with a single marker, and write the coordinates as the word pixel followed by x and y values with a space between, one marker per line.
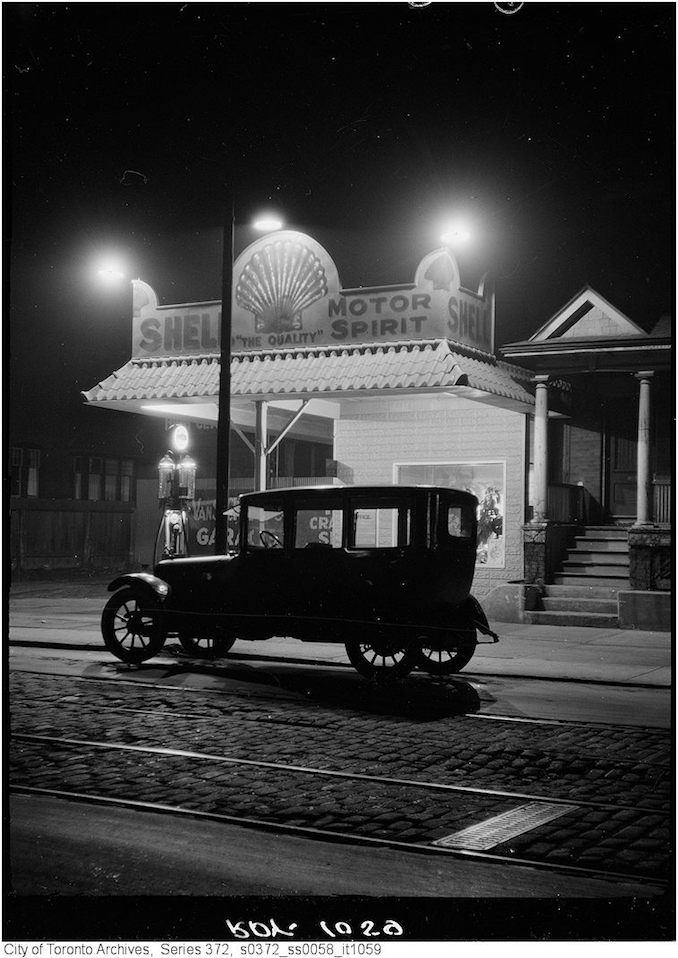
pixel 584 591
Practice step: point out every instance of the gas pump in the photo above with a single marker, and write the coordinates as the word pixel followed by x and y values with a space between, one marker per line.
pixel 176 489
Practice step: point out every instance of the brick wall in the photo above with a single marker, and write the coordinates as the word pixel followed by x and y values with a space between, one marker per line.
pixel 372 435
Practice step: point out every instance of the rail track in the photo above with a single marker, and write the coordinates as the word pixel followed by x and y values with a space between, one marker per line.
pixel 299 767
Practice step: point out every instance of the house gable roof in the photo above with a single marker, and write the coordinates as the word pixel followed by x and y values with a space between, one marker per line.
pixel 588 315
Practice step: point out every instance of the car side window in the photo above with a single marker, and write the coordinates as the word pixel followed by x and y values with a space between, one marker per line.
pixel 459 522
pixel 265 528
pixel 317 527
pixel 380 526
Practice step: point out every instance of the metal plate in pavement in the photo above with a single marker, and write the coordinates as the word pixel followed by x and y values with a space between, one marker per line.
pixel 501 828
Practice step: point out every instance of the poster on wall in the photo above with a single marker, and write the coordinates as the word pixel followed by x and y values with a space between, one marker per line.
pixel 487 482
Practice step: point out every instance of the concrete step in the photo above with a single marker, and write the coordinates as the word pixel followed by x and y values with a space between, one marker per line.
pixel 596 568
pixel 587 620
pixel 571 604
pixel 585 591
pixel 572 578
pixel 597 544
pixel 605 532
pixel 597 558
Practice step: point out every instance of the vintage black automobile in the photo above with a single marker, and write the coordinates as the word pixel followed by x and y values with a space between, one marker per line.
pixel 387 570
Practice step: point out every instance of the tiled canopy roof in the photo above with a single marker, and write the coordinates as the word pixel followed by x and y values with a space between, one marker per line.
pixel 328 370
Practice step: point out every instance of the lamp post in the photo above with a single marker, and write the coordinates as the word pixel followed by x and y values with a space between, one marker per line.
pixel 265 223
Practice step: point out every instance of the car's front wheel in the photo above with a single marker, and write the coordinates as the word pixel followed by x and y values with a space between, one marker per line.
pixel 206 647
pixel 131 627
pixel 381 659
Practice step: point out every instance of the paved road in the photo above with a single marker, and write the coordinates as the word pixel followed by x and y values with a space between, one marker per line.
pixel 309 705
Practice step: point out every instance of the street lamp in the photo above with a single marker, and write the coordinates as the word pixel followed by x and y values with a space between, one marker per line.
pixel 456 234
pixel 266 223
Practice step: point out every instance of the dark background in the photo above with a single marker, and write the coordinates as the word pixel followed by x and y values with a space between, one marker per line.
pixel 130 127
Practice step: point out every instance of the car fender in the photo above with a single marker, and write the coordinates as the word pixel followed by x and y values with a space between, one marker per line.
pixel 145 582
pixel 475 612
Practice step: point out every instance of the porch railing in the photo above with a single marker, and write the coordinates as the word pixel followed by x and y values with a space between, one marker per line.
pixel 661 500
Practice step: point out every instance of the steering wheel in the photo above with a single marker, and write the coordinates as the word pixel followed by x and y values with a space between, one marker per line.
pixel 265 534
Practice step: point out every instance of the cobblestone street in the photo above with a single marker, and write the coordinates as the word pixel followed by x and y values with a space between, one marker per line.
pixel 622 773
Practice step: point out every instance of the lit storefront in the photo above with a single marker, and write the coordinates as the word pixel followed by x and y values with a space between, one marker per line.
pixel 398 384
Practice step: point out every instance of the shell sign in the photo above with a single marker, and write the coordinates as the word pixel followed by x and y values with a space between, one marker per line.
pixel 286 294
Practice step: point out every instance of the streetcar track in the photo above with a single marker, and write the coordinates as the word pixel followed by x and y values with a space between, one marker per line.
pixel 255 696
pixel 329 773
pixel 218 669
pixel 168 713
pixel 340 837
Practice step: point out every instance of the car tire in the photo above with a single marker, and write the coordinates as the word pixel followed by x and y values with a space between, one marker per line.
pixel 210 647
pixel 380 660
pixel 450 660
pixel 130 626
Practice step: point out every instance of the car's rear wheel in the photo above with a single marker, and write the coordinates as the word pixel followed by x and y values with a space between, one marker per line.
pixel 381 659
pixel 206 647
pixel 131 627
pixel 448 656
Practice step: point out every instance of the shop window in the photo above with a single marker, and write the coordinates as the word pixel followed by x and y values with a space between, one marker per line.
pixel 24 471
pixel 486 481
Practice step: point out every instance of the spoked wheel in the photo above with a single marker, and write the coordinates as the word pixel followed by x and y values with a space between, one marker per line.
pixel 448 656
pixel 130 627
pixel 381 659
pixel 206 647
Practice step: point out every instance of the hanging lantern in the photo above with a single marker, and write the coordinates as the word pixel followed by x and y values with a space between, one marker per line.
pixel 186 478
pixel 165 476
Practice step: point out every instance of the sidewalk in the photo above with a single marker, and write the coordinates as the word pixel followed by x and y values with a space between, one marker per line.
pixel 73 609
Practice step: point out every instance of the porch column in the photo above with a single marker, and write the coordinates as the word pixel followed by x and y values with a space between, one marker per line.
pixel 644 482
pixel 541 419
pixel 260 441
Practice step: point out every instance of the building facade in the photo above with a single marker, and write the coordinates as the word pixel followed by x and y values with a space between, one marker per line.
pixel 558 436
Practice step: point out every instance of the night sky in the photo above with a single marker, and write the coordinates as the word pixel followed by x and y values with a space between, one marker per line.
pixel 130 127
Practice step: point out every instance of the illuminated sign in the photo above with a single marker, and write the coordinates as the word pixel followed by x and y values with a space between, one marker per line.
pixel 286 294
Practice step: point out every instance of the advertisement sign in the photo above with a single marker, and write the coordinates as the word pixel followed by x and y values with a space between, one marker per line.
pixel 202 523
pixel 286 294
pixel 487 482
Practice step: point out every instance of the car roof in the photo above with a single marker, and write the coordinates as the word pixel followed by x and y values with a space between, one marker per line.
pixel 387 491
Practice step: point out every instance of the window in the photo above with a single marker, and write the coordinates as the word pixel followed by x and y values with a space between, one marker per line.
pixel 487 482
pixel 112 467
pixel 265 528
pixel 109 479
pixel 24 471
pixel 459 523
pixel 94 480
pixel 380 526
pixel 316 528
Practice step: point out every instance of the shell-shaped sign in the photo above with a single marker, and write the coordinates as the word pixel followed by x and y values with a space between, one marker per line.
pixel 278 282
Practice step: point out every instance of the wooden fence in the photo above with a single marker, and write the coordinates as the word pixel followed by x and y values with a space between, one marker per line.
pixel 51 534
